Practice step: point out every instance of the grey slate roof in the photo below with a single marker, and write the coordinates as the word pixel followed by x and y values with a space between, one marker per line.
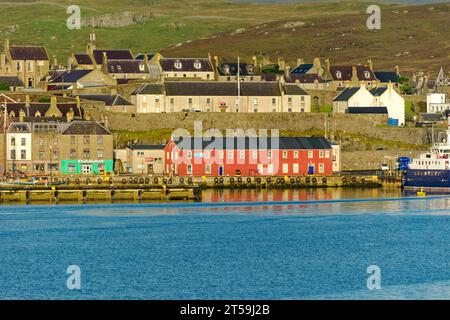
pixel 346 73
pixel 367 110
pixel 346 94
pixel 281 143
pixel 11 81
pixel 302 68
pixel 28 53
pixel 177 88
pixel 112 54
pixel 187 64
pixel 126 66
pixel 83 58
pixel 87 128
pixel 293 89
pixel 231 69
pixel 387 76
pixel 70 76
pixel 43 107
pixel 378 91
pixel 147 147
pixel 109 100
pixel 149 88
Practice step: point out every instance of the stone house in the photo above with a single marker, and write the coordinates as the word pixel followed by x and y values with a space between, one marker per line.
pixel 186 69
pixel 28 63
pixel 113 103
pixel 78 79
pixel 43 148
pixel 352 97
pixel 388 97
pixel 214 96
pixel 142 159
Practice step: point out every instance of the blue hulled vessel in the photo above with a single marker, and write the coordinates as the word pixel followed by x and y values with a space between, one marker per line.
pixel 430 170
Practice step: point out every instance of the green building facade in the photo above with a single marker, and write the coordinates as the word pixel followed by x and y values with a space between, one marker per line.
pixel 87 166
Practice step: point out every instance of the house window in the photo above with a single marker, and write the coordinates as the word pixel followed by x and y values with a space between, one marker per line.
pixel 310 154
pixel 321 168
pixel 242 155
pixel 99 153
pixel 23 142
pixel 295 168
pixel 178 64
pixel 189 169
pixel 285 168
pixel 13 142
pixel 285 154
pixel 86 153
pixel 269 154
pixel 41 154
pixel 30 66
pixel 255 155
pixel 221 154
pixel 206 154
pixel 13 154
pixel 73 139
pixel 230 154
pixel 189 155
pixel 338 74
pixel 73 154
pixel 99 140
pixel 295 154
pixel 23 154
pixel 274 101
pixel 86 139
pixel 208 169
pixel 321 154
pixel 197 65
pixel 327 154
pixel 71 167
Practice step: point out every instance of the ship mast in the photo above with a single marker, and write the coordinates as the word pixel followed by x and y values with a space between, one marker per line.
pixel 5 114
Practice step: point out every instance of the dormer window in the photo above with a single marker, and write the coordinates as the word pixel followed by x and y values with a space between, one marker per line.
pixel 178 64
pixel 141 67
pixel 119 68
pixel 226 69
pixel 367 74
pixel 197 65
pixel 338 74
pixel 249 69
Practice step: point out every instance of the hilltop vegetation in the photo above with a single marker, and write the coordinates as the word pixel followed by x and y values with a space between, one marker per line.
pixel 413 36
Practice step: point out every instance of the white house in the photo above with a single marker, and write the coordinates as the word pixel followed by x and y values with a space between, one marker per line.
pixel 437 102
pixel 352 97
pixel 388 97
pixel 380 100
pixel 18 146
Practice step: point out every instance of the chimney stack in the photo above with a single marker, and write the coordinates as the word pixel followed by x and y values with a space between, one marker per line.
pixel 397 70
pixel 6 45
pixel 354 75
pixel 316 64
pixel 281 63
pixel 327 64
pixel 105 62
pixel 370 64
pixel 300 61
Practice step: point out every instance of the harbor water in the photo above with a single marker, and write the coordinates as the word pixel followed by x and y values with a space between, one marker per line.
pixel 286 245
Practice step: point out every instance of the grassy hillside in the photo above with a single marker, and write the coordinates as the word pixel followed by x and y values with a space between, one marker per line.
pixel 416 37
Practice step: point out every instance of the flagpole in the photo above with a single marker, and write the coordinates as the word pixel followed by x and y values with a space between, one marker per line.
pixel 5 113
pixel 239 84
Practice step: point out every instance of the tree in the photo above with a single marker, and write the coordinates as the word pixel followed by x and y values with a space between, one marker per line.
pixel 4 87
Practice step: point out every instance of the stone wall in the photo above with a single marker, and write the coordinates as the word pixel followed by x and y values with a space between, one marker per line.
pixel 372 160
pixel 368 126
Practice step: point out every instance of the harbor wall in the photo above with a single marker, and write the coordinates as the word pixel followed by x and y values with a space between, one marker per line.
pixel 373 126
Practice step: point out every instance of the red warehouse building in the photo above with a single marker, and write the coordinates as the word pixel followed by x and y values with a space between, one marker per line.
pixel 249 156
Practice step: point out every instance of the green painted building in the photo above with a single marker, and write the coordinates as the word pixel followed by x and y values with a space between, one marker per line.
pixel 87 166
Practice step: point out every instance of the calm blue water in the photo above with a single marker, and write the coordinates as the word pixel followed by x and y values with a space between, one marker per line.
pixel 203 251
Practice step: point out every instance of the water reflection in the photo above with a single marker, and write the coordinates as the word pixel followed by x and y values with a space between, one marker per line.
pixel 249 195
